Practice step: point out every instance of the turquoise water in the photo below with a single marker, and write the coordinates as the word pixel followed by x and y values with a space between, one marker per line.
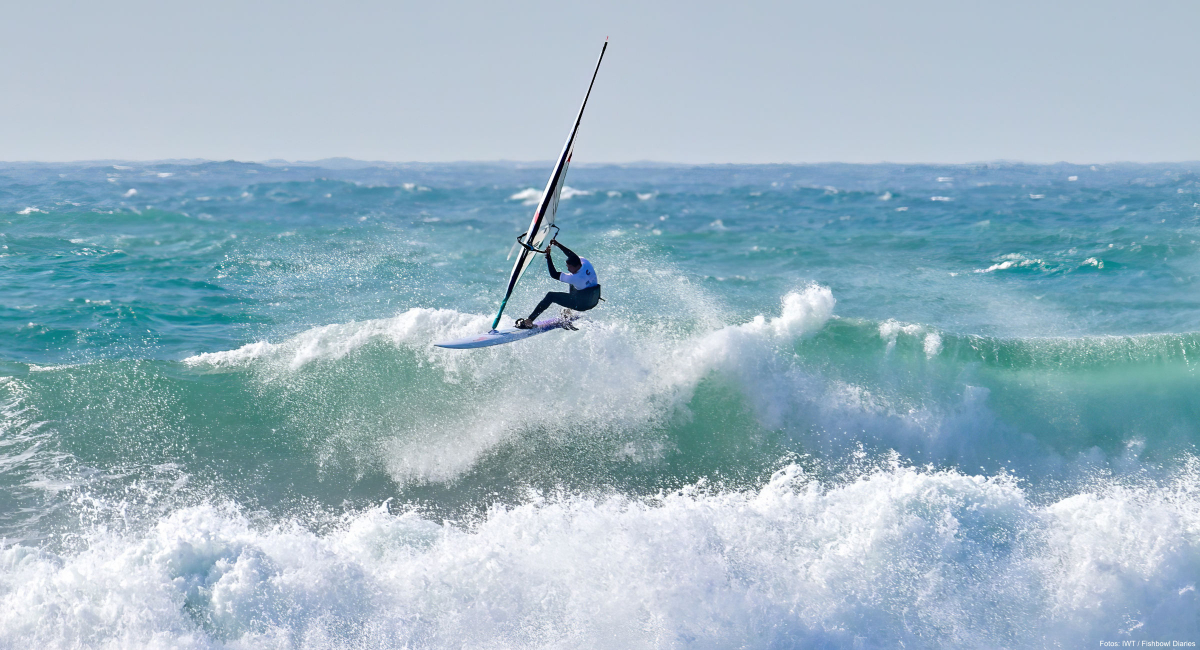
pixel 822 405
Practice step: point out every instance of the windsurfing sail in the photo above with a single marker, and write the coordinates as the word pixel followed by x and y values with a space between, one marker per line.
pixel 543 216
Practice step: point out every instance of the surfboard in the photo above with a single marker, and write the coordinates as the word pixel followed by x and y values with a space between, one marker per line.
pixel 509 334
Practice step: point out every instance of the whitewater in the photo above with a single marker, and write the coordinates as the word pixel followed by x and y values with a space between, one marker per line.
pixel 857 406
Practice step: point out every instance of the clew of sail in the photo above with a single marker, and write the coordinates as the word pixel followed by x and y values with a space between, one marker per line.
pixel 543 216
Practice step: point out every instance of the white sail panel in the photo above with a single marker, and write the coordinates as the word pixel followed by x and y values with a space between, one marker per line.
pixel 540 230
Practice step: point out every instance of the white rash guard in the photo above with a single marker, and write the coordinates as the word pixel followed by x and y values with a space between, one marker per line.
pixel 585 278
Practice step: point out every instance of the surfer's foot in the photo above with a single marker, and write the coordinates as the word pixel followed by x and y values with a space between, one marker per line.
pixel 524 324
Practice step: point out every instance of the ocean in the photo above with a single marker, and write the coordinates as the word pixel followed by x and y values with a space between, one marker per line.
pixel 860 406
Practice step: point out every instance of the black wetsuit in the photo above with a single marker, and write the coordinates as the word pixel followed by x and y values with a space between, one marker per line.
pixel 577 299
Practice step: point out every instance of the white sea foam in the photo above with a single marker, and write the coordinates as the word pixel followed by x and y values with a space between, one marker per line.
pixel 1012 260
pixel 531 196
pixel 569 192
pixel 891 329
pixel 999 266
pixel 895 557
pixel 933 344
pixel 33 367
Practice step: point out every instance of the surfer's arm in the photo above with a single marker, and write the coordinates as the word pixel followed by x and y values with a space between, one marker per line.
pixel 570 253
pixel 554 273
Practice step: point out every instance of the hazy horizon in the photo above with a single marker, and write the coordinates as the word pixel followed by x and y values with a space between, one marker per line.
pixel 581 164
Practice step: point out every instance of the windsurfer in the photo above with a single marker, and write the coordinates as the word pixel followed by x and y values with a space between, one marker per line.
pixel 585 288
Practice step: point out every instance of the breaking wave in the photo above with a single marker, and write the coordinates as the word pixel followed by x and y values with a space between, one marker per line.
pixel 896 556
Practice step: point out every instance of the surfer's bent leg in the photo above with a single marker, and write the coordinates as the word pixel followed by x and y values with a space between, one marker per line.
pixel 552 298
pixel 577 300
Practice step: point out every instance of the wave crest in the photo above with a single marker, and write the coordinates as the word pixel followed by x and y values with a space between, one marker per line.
pixel 610 378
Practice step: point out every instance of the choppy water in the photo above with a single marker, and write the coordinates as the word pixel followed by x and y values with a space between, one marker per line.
pixel 830 405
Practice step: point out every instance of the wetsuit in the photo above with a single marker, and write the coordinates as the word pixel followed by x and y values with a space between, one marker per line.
pixel 585 287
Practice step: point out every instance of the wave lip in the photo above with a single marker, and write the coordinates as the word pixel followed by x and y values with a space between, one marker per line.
pixel 330 342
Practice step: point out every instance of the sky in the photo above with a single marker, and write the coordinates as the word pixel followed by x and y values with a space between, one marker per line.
pixel 690 82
